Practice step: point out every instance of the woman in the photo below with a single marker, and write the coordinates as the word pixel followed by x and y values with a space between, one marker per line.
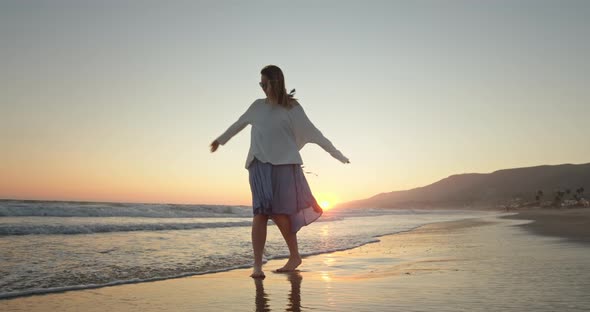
pixel 280 128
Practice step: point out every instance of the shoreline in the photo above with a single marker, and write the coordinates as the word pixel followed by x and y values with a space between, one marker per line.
pixel 244 270
pixel 66 289
pixel 475 264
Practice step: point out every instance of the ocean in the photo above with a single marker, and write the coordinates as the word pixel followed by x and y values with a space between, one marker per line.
pixel 48 246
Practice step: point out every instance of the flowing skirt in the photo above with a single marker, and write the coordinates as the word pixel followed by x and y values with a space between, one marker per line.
pixel 282 189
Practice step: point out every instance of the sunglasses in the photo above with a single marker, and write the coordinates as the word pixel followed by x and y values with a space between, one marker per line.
pixel 264 85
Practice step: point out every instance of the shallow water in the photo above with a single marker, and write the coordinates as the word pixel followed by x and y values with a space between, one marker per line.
pixel 486 264
pixel 104 244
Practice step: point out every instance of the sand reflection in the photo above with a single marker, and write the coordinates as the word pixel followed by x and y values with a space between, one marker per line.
pixel 262 301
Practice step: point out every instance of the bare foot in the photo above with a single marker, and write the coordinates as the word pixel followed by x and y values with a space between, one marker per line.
pixel 257 273
pixel 291 265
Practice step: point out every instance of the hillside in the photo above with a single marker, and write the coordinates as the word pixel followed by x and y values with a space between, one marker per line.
pixel 482 190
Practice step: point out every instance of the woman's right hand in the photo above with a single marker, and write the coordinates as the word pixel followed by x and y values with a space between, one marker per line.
pixel 214 146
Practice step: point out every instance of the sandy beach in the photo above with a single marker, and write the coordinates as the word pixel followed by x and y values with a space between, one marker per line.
pixel 572 224
pixel 485 264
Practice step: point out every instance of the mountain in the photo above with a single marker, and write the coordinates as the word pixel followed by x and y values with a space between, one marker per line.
pixel 484 190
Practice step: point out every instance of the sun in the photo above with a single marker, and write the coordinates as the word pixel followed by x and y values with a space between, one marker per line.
pixel 326 200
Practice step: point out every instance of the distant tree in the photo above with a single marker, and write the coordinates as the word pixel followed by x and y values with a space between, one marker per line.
pixel 579 192
pixel 539 195
pixel 558 198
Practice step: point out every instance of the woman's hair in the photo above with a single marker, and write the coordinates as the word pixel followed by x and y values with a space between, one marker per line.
pixel 277 81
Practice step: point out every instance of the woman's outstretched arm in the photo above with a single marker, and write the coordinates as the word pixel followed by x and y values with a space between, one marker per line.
pixel 306 132
pixel 235 128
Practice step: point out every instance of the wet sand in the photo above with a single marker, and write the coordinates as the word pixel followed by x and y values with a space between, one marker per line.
pixel 486 264
pixel 570 223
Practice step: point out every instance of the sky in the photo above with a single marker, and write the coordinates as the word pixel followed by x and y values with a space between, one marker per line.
pixel 120 100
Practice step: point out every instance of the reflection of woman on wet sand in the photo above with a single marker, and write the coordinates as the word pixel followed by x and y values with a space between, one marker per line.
pixel 280 128
pixel 262 301
pixel 295 293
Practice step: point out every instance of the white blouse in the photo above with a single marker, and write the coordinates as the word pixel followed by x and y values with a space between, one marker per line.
pixel 278 134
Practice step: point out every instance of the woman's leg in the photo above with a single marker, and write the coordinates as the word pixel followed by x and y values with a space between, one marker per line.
pixel 258 240
pixel 284 224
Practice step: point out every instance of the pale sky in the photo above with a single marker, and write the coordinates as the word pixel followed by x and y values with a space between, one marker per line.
pixel 119 100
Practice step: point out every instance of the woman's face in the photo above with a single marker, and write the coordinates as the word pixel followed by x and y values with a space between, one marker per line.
pixel 265 85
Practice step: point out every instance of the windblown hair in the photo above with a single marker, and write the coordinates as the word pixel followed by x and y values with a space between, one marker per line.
pixel 277 81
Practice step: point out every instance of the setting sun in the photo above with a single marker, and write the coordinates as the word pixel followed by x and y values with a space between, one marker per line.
pixel 326 200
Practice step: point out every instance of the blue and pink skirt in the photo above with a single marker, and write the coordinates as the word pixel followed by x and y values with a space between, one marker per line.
pixel 282 189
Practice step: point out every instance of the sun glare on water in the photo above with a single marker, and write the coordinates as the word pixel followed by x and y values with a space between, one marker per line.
pixel 325 205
